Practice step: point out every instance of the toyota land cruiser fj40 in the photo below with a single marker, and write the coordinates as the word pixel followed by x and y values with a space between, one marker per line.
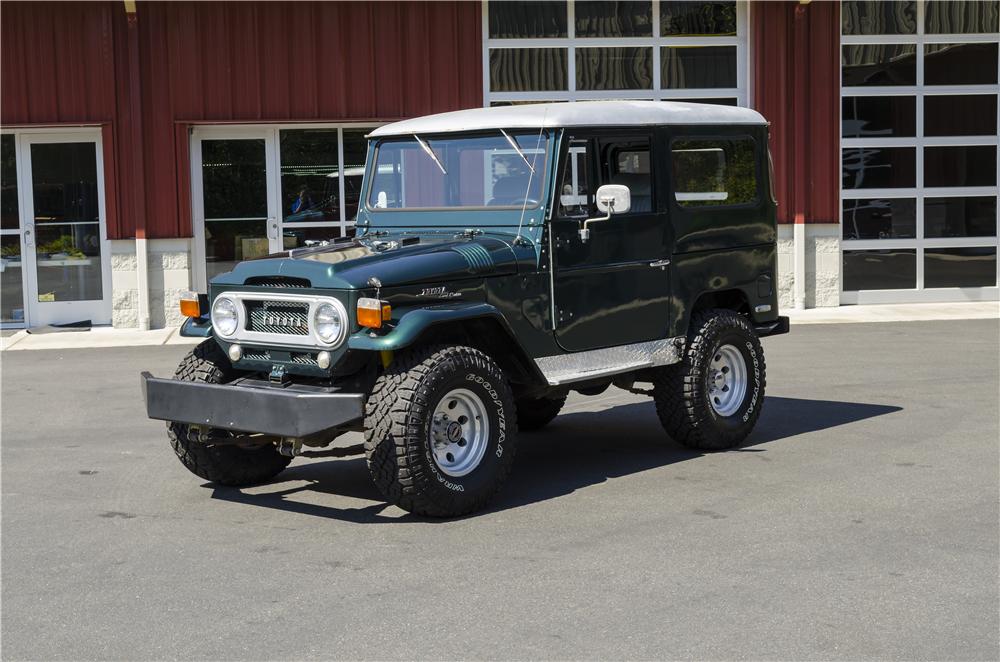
pixel 503 257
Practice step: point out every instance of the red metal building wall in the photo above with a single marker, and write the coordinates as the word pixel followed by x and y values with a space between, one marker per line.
pixel 205 62
pixel 796 56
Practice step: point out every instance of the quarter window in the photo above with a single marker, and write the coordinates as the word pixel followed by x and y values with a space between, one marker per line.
pixel 714 172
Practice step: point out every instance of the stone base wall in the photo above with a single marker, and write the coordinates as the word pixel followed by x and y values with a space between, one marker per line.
pixel 822 265
pixel 169 275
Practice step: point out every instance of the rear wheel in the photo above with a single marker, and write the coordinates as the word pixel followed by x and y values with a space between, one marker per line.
pixel 440 430
pixel 223 464
pixel 712 399
pixel 536 413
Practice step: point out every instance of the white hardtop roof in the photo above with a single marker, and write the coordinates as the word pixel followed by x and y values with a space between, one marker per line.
pixel 578 113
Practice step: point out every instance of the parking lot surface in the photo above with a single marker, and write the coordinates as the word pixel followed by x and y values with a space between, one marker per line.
pixel 860 521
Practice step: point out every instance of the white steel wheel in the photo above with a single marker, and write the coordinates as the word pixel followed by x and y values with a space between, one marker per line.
pixel 459 433
pixel 727 380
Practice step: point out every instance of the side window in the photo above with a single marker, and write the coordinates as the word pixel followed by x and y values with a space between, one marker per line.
pixel 575 195
pixel 627 163
pixel 714 172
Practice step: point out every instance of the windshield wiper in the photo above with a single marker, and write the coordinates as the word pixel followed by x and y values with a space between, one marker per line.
pixel 430 153
pixel 518 150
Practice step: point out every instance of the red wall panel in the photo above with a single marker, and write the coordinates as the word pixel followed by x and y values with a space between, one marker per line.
pixel 797 88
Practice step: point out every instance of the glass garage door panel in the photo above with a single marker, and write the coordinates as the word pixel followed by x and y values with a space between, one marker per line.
pixel 234 181
pixel 67 221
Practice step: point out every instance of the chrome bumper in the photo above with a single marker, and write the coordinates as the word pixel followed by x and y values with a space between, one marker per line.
pixel 287 410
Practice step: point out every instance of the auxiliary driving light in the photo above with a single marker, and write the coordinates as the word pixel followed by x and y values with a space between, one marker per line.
pixel 235 353
pixel 323 360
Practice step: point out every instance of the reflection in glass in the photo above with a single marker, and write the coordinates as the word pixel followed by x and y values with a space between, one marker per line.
pixel 229 242
pixel 878 116
pixel 879 167
pixel 234 178
pixel 961 16
pixel 355 153
pixel 960 115
pixel 698 66
pixel 960 166
pixel 9 219
pixel 714 172
pixel 695 19
pixel 879 64
pixel 960 64
pixel 309 189
pixel 880 270
pixel 517 19
pixel 528 69
pixel 67 221
pixel 623 68
pixel 614 19
pixel 960 267
pixel 11 291
pixel 960 217
pixel 297 237
pixel 887 218
pixel 878 17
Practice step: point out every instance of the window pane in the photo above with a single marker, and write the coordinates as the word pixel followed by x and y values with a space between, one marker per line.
pixel 68 258
pixel 961 16
pixel 229 242
pixel 310 192
pixel 960 267
pixel 878 17
pixel 960 115
pixel 297 237
pixel 574 195
pixel 888 218
pixel 881 117
pixel 960 217
pixel 614 19
pixel 64 182
pixel 697 19
pixel 516 19
pixel 234 178
pixel 960 64
pixel 880 270
pixel 714 172
pixel 9 219
pixel 527 69
pixel 879 64
pixel 614 68
pixel 12 295
pixel 960 166
pixel 879 167
pixel 628 164
pixel 721 101
pixel 355 153
pixel 698 66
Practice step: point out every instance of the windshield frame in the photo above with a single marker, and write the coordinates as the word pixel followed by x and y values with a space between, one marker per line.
pixel 540 174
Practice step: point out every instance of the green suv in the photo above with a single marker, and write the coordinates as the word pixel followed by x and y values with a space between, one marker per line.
pixel 503 258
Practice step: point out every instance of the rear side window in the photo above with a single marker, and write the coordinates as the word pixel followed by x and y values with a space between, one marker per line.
pixel 714 172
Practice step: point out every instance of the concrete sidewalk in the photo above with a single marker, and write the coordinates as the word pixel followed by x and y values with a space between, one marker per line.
pixel 108 337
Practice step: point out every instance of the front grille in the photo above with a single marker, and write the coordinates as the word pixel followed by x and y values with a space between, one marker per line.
pixel 256 355
pixel 303 359
pixel 290 318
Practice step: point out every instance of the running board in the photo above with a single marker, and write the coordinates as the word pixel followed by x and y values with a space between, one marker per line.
pixel 597 363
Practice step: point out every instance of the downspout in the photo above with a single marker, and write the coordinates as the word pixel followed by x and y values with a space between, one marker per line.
pixel 801 168
pixel 137 172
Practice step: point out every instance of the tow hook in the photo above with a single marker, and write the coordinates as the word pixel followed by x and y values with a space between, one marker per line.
pixel 289 446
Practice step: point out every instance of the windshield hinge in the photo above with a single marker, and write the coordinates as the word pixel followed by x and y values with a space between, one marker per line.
pixel 469 233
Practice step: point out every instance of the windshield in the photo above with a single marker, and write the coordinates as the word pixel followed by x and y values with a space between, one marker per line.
pixel 425 172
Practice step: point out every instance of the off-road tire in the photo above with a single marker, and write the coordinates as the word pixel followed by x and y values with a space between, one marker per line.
pixel 681 391
pixel 398 416
pixel 536 413
pixel 226 465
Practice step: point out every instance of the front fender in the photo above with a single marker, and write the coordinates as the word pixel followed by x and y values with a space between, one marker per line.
pixel 197 327
pixel 413 323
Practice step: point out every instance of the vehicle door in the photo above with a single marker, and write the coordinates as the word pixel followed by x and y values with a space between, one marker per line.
pixel 612 289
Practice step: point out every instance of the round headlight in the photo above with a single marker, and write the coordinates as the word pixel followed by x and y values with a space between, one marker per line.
pixel 328 323
pixel 225 318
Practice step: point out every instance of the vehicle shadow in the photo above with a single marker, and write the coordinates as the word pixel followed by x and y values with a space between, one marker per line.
pixel 576 450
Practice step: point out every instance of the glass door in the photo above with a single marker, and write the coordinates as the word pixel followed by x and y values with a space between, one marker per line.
pixel 12 313
pixel 235 201
pixel 66 273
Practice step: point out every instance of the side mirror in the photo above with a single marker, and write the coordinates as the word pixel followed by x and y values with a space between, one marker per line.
pixel 611 199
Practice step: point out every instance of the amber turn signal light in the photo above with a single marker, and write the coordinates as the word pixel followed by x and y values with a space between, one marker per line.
pixel 372 312
pixel 190 305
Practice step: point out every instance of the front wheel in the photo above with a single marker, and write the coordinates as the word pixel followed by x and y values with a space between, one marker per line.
pixel 712 399
pixel 440 430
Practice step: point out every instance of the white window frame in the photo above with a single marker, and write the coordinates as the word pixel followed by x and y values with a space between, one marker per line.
pixel 570 42
pixel 919 192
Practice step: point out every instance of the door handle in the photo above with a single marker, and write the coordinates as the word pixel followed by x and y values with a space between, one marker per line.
pixel 662 264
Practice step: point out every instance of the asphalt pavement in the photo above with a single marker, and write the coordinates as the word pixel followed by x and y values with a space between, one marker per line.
pixel 860 521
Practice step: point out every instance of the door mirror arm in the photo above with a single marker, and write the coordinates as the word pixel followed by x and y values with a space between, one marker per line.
pixel 611 199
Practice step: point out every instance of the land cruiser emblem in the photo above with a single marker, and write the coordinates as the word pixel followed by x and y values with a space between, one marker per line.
pixel 439 292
